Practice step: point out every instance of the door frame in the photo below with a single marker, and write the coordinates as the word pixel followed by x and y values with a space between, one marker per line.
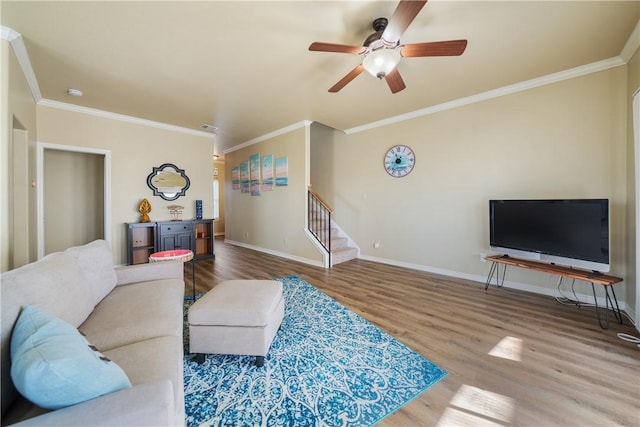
pixel 635 112
pixel 41 147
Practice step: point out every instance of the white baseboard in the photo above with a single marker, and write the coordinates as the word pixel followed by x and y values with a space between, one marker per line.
pixel 276 253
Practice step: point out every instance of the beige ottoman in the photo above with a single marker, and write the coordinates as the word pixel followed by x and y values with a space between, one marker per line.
pixel 236 317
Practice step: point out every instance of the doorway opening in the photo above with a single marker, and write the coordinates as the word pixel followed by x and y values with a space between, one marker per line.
pixel 74 196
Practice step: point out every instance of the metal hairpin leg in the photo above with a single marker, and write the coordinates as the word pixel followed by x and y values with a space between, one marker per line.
pixel 607 301
pixel 495 269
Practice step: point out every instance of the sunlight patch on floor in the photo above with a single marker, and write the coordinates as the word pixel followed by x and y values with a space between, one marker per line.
pixel 508 348
pixel 474 406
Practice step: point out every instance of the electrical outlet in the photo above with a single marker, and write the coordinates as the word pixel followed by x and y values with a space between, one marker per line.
pixel 483 255
pixel 376 245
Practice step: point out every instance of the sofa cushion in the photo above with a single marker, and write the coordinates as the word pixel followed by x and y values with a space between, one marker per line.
pixel 54 366
pixel 136 312
pixel 96 263
pixel 154 360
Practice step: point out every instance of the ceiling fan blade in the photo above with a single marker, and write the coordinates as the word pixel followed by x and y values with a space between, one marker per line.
pixel 338 48
pixel 346 79
pixel 446 48
pixel 403 16
pixel 394 80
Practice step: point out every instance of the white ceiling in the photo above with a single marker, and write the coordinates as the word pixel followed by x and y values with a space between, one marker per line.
pixel 244 66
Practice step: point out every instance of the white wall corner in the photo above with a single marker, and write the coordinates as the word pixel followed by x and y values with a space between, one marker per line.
pixel 632 44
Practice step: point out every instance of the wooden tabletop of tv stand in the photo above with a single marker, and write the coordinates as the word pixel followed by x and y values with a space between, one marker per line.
pixel 587 276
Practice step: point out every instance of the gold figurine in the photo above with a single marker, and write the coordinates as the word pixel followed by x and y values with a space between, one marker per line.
pixel 144 209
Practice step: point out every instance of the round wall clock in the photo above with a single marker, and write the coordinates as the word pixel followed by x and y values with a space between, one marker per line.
pixel 399 161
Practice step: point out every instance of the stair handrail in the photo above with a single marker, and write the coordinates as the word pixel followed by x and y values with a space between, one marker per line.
pixel 326 205
pixel 319 224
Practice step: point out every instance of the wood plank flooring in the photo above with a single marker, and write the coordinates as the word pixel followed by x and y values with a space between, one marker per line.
pixel 514 358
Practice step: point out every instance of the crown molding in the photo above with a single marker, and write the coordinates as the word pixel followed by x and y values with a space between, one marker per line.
pixel 121 117
pixel 20 50
pixel 8 34
pixel 632 44
pixel 281 131
pixel 494 93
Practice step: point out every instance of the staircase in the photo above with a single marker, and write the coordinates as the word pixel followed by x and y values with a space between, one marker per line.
pixel 340 249
pixel 327 233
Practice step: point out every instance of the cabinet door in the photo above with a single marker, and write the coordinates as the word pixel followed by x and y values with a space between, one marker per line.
pixel 183 241
pixel 175 235
pixel 168 242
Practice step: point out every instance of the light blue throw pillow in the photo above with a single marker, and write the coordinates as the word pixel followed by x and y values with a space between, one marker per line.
pixel 53 366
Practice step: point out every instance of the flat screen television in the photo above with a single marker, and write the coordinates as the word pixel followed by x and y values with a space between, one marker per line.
pixel 573 232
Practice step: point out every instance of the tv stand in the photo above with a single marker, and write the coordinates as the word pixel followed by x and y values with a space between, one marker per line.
pixel 593 277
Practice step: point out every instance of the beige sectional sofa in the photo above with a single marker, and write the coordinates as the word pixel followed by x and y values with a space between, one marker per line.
pixel 132 314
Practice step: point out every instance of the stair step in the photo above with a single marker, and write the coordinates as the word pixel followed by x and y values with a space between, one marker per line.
pixel 338 243
pixel 344 254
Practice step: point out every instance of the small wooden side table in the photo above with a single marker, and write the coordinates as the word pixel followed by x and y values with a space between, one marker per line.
pixel 184 255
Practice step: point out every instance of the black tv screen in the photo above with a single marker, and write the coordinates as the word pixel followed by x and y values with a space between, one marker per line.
pixel 574 232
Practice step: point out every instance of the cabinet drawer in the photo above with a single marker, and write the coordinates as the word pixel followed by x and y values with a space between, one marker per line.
pixel 175 228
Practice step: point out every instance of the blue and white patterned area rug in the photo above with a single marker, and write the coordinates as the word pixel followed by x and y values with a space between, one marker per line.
pixel 327 366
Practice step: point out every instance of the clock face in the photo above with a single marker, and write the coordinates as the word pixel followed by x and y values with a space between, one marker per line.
pixel 399 161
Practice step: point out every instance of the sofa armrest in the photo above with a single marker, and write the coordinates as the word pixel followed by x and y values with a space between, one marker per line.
pixel 149 404
pixel 151 271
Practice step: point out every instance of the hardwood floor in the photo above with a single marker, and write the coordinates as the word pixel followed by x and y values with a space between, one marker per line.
pixel 514 358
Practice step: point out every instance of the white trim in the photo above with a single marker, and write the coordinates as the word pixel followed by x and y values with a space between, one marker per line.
pixel 635 112
pixel 632 44
pixel 495 93
pixel 121 117
pixel 8 34
pixel 41 146
pixel 314 241
pixel 276 253
pixel 20 50
pixel 269 135
pixel 428 269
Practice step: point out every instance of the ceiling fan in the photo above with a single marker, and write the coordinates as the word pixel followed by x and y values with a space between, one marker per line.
pixel 382 50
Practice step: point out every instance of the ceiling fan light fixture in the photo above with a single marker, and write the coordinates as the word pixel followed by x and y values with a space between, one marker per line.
pixel 381 62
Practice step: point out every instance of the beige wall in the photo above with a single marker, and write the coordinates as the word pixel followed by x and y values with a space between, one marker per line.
pixel 633 84
pixel 563 140
pixel 18 219
pixel 275 220
pixel 135 150
pixel 322 147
